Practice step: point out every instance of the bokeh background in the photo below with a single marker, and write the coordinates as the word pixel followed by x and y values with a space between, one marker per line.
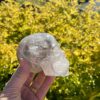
pixel 76 26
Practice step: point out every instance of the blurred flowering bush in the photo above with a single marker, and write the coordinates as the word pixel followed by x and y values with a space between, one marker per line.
pixel 78 33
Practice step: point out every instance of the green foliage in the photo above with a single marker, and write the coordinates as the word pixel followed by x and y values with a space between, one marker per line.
pixel 78 33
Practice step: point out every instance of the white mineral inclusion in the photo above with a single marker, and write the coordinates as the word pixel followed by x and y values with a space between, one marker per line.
pixel 43 53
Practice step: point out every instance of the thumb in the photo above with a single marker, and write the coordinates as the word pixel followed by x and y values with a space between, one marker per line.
pixel 18 78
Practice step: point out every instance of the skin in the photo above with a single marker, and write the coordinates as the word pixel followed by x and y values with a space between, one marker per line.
pixel 24 85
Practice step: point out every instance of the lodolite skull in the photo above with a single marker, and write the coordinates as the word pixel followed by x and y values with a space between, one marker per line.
pixel 43 53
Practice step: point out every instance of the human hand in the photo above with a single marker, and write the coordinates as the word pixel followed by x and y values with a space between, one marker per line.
pixel 23 85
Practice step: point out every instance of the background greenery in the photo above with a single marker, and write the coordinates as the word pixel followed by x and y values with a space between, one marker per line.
pixel 77 31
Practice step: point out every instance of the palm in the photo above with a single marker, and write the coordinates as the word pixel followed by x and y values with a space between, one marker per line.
pixel 36 89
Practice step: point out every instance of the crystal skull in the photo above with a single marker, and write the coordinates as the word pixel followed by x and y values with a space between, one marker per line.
pixel 43 53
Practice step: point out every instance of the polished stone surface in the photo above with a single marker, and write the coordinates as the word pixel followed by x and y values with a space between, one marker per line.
pixel 44 54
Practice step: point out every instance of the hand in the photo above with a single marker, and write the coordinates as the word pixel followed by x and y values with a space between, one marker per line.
pixel 23 85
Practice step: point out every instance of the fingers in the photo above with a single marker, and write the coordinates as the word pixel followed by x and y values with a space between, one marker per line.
pixel 27 94
pixel 38 81
pixel 19 77
pixel 45 87
pixel 30 79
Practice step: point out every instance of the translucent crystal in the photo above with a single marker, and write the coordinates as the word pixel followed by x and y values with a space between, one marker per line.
pixel 43 53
